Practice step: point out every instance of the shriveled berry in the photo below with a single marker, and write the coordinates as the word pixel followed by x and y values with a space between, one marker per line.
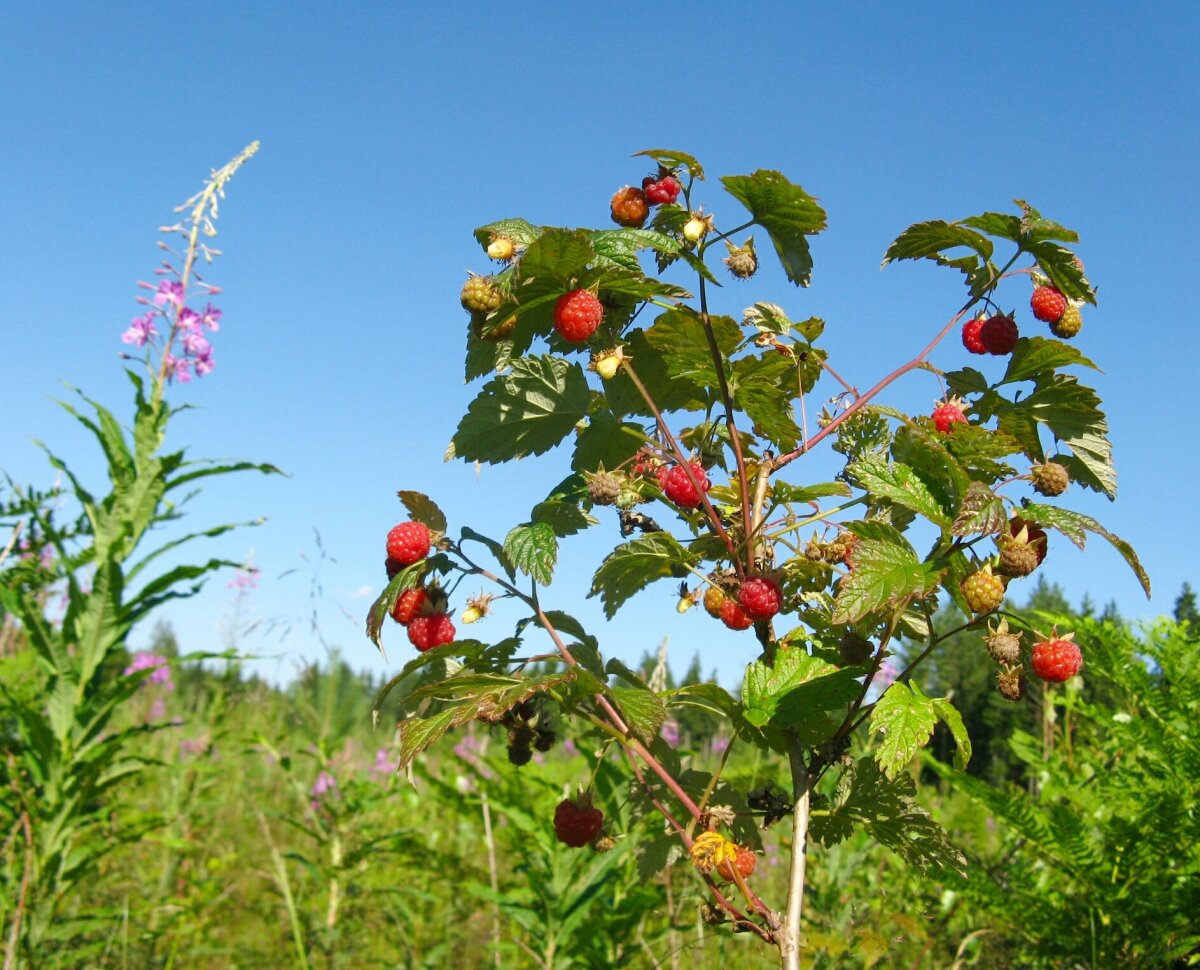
pixel 1031 533
pixel 427 631
pixel 577 315
pixel 970 335
pixel 629 208
pixel 1048 303
pixel 1010 682
pixel 742 261
pixel 947 413
pixel 662 191
pixel 409 542
pixel 1003 645
pixel 1069 324
pixel 999 334
pixel 1021 552
pixel 1050 478
pixel 678 487
pixel 983 590
pixel 1056 659
pixel 760 597
pixel 408 605
pixel 577 822
pixel 745 863
pixel 479 295
pixel 734 616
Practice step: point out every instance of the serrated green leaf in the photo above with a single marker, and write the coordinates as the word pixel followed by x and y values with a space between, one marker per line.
pixel 1059 265
pixel 981 512
pixel 565 518
pixel 525 412
pixel 1072 412
pixel 966 381
pixel 561 255
pixel 766 685
pixel 620 247
pixel 927 455
pixel 673 160
pixel 999 224
pixel 928 239
pixel 949 715
pixel 634 565
pixel 678 336
pixel 423 509
pixel 642 710
pixel 533 549
pixel 518 230
pixel 784 492
pixel 885 574
pixel 897 483
pixel 764 387
pixel 1075 526
pixel 786 212
pixel 1034 355
pixel 606 442
pixel 905 717
pixel 407 578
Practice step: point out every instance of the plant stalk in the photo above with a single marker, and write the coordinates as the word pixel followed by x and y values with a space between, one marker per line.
pixel 787 937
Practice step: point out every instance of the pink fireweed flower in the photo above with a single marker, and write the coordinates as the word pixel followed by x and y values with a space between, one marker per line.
pixel 189 320
pixel 169 291
pixel 145 660
pixel 887 675
pixel 245 581
pixel 141 331
pixel 324 784
pixel 177 368
pixel 194 345
pixel 211 317
pixel 384 765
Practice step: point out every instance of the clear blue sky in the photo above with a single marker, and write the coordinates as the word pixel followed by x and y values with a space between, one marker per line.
pixel 390 131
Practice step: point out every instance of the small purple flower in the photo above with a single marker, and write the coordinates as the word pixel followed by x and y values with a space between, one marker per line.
pixel 160 667
pixel 177 368
pixel 887 675
pixel 205 364
pixel 569 748
pixel 169 291
pixel 158 710
pixel 384 765
pixel 245 581
pixel 211 317
pixel 324 784
pixel 189 320
pixel 719 744
pixel 193 746
pixel 670 732
pixel 141 331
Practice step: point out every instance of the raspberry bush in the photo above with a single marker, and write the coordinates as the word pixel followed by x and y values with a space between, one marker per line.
pixel 689 450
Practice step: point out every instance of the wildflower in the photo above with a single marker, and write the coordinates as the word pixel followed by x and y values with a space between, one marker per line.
pixel 141 331
pixel 169 291
pixel 324 784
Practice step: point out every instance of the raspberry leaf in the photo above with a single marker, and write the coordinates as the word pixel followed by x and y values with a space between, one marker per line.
pixel 1001 224
pixel 897 483
pixel 885 574
pixel 533 549
pixel 565 518
pixel 406 578
pixel 1035 355
pixel 929 240
pixel 561 255
pixel 525 412
pixel 1059 265
pixel 423 509
pixel 948 714
pixel 633 565
pixel 1075 526
pixel 673 160
pixel 784 492
pixel 679 337
pixel 905 717
pixel 620 247
pixel 606 442
pixel 982 512
pixel 643 711
pixel 786 212
pixel 763 387
pixel 518 230
pixel 662 384
pixel 765 685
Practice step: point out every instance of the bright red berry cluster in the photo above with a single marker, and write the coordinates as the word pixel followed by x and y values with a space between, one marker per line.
pixel 409 542
pixel 661 191
pixel 1057 659
pixel 408 605
pixel 577 315
pixel 948 412
pixel 1048 303
pixel 745 862
pixel 629 207
pixel 678 487
pixel 734 615
pixel 577 822
pixel 760 597
pixel 429 630
pixel 999 334
pixel 971 337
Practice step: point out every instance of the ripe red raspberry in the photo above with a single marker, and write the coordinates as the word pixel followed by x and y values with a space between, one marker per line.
pixel 426 631
pixel 629 208
pixel 984 591
pixel 678 487
pixel 1048 303
pixel 947 413
pixel 577 822
pixel 408 605
pixel 760 597
pixel 999 335
pixel 577 315
pixel 745 862
pixel 409 542
pixel 1056 659
pixel 663 191
pixel 970 335
pixel 734 616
